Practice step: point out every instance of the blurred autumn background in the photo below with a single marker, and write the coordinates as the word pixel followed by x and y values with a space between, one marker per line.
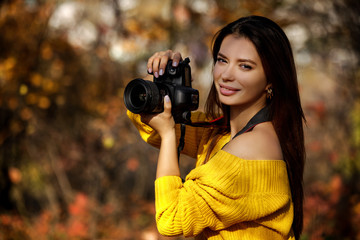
pixel 71 164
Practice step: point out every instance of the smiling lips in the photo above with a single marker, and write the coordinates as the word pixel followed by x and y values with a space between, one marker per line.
pixel 227 91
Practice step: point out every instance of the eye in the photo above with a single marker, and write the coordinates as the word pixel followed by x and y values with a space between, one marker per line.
pixel 220 60
pixel 245 66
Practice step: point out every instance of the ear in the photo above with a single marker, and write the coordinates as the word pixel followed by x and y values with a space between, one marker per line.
pixel 269 85
pixel 269 91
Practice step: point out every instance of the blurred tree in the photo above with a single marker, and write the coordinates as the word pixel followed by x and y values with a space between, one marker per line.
pixel 334 32
pixel 63 127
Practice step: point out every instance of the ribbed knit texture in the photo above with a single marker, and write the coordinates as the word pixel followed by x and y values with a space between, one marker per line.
pixel 226 198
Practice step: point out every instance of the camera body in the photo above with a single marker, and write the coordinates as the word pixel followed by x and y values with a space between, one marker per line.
pixel 142 96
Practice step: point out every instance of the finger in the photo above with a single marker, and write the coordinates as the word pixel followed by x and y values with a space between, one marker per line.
pixel 167 105
pixel 176 59
pixel 149 66
pixel 164 60
pixel 155 66
pixel 150 63
pixel 162 65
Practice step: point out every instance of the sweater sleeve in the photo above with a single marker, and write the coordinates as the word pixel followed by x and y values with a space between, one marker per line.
pixel 193 135
pixel 225 191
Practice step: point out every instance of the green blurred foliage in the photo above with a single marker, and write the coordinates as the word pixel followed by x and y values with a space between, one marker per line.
pixel 71 164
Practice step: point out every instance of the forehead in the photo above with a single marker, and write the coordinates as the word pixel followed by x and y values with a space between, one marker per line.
pixel 239 47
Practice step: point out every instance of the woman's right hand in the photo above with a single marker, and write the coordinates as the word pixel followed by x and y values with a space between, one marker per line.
pixel 163 123
pixel 158 61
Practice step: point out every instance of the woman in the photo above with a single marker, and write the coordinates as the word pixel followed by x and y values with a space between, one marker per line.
pixel 247 183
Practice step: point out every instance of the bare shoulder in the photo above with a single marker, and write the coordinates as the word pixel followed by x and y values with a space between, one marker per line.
pixel 261 143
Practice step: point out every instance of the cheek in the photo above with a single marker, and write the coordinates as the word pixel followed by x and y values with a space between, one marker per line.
pixel 216 77
pixel 259 88
pixel 257 81
pixel 216 73
pixel 262 81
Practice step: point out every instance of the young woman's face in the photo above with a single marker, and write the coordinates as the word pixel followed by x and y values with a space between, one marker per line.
pixel 239 76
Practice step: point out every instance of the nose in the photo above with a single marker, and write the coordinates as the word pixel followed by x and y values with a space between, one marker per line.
pixel 228 73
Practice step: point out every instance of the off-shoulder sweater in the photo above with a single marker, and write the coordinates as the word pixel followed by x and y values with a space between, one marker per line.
pixel 225 198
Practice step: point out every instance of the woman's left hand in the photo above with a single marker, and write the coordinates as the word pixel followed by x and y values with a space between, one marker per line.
pixel 162 122
pixel 157 62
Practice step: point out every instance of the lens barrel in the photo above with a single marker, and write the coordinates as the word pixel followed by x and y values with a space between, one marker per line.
pixel 141 96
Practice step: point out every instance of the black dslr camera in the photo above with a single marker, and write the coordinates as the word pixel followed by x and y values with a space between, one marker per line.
pixel 142 96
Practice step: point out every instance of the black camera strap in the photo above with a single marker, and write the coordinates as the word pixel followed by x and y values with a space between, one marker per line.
pixel 262 116
pixel 182 139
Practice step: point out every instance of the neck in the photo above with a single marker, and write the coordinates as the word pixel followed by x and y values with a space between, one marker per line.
pixel 240 116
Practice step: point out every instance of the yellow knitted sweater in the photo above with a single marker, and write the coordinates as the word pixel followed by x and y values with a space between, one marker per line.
pixel 225 198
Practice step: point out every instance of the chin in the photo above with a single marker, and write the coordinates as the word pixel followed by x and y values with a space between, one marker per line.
pixel 227 102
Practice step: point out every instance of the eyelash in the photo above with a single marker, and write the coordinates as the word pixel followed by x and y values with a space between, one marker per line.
pixel 219 59
pixel 246 66
pixel 242 65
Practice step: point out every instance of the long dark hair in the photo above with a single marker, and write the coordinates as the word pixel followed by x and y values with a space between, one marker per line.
pixel 285 108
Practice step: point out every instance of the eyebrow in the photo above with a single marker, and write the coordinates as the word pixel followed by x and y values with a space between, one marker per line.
pixel 240 59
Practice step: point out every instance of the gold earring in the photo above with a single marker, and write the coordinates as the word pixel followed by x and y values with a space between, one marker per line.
pixel 270 93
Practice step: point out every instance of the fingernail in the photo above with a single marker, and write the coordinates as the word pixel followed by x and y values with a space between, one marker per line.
pixel 149 70
pixel 167 98
pixel 156 74
pixel 175 64
pixel 161 72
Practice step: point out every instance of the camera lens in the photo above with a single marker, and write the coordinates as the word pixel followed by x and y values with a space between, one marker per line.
pixel 141 96
pixel 138 96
